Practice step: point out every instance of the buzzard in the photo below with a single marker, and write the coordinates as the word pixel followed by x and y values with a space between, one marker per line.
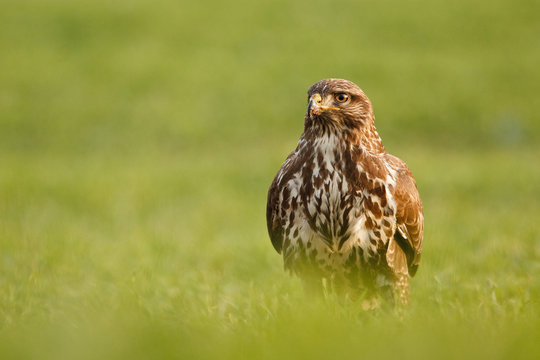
pixel 340 207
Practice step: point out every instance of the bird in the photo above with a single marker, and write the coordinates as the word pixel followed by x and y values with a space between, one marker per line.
pixel 341 210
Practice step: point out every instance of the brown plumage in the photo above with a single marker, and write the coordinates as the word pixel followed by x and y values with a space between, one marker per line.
pixel 341 208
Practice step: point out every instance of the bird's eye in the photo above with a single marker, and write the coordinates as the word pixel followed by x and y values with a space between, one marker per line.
pixel 341 98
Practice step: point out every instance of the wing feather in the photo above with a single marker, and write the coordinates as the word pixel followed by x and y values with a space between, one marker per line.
pixel 274 213
pixel 409 220
pixel 275 230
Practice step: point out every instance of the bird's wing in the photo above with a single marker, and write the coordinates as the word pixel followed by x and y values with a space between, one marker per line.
pixel 406 246
pixel 273 222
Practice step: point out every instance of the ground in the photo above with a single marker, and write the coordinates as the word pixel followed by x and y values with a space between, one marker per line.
pixel 138 140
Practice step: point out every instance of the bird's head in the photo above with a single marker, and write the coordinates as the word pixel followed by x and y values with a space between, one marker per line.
pixel 337 105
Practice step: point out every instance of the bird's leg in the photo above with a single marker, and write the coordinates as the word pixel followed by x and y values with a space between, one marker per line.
pixel 370 303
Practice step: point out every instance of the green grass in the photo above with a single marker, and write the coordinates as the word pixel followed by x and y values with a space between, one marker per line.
pixel 138 140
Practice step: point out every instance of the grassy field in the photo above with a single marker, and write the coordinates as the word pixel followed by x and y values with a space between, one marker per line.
pixel 138 140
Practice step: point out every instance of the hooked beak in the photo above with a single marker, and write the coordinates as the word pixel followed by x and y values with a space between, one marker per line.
pixel 316 107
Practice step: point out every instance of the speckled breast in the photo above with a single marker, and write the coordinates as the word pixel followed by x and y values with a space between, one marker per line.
pixel 335 217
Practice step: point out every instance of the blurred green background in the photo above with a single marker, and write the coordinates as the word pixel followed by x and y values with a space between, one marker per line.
pixel 138 140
